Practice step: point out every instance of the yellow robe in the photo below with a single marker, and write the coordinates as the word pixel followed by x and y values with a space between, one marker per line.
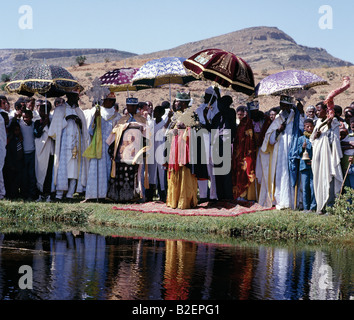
pixel 182 184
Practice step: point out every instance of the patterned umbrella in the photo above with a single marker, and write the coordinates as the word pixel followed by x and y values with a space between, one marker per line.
pixel 120 80
pixel 48 80
pixel 288 82
pixel 224 68
pixel 158 72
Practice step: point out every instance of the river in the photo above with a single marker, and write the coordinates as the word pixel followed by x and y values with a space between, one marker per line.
pixel 87 266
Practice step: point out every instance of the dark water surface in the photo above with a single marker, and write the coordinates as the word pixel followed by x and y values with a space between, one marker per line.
pixel 82 266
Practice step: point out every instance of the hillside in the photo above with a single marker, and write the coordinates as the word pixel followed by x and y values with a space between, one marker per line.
pixel 87 73
pixel 262 48
pixel 15 59
pixel 267 50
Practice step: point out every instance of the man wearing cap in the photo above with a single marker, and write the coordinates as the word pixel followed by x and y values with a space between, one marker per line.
pixel 210 108
pixel 182 183
pixel 68 129
pixel 100 120
pixel 126 150
pixel 276 183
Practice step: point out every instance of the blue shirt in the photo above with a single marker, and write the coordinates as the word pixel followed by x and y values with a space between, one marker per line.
pixel 304 164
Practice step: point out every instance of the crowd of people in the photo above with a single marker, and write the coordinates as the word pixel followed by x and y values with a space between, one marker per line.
pixel 182 155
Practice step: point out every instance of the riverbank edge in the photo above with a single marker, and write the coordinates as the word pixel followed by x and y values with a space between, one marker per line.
pixel 265 225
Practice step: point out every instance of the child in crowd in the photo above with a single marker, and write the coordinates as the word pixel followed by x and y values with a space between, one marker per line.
pixel 304 144
pixel 29 174
pixel 44 152
pixel 14 161
pixel 19 109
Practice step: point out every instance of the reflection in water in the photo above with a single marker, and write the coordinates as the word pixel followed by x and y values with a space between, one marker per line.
pixel 70 266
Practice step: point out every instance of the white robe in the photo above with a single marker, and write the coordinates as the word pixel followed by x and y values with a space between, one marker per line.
pixel 156 159
pixel 67 135
pixel 44 148
pixel 273 168
pixel 99 169
pixel 326 158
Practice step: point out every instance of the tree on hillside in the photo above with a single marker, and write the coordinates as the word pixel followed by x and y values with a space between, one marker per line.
pixel 80 60
pixel 5 77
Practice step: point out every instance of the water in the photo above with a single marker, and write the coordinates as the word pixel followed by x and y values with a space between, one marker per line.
pixel 83 266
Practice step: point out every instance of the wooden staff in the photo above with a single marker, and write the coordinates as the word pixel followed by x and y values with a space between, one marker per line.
pixel 345 177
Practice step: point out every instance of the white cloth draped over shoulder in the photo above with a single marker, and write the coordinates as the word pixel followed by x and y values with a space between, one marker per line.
pixel 272 169
pixel 60 125
pixel 44 149
pixel 326 158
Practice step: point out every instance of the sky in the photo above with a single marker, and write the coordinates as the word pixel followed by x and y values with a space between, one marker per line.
pixel 145 26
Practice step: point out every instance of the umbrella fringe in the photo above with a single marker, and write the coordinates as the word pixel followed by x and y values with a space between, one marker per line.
pixel 219 75
pixel 24 87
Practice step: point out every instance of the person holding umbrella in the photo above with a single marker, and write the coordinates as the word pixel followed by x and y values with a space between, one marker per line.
pixel 182 182
pixel 68 129
pixel 44 153
pixel 210 107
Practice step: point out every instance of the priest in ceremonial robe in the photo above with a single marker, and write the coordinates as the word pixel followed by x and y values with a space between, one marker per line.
pixel 126 150
pixel 182 182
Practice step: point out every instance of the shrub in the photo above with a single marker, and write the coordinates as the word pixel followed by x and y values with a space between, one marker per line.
pixel 5 77
pixel 80 60
pixel 344 207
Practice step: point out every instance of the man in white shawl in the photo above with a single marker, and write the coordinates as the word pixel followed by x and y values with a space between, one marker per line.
pixel 68 129
pixel 276 188
pixel 100 121
pixel 326 159
pixel 211 102
pixel 44 154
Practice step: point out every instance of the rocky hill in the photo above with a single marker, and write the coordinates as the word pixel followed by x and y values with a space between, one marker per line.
pixel 267 50
pixel 14 59
pixel 262 48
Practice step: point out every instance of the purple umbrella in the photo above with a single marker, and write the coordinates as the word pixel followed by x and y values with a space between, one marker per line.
pixel 120 80
pixel 288 82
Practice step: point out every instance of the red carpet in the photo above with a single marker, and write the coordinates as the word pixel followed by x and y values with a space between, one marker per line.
pixel 216 209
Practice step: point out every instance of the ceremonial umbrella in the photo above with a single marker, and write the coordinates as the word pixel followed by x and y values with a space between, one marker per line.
pixel 222 67
pixel 120 80
pixel 46 80
pixel 163 71
pixel 288 82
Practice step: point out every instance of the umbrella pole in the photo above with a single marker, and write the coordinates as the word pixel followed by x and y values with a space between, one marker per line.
pixel 45 103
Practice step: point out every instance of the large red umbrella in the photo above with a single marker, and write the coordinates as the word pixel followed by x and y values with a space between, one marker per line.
pixel 224 68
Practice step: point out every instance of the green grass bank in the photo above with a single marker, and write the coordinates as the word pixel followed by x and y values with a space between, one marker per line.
pixel 267 225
